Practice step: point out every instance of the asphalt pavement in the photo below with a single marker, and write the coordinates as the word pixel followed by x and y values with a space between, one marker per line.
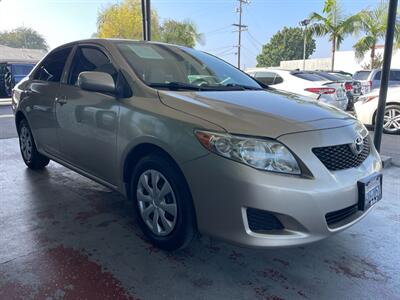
pixel 390 143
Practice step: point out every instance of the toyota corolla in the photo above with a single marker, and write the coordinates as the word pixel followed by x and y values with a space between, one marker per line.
pixel 196 144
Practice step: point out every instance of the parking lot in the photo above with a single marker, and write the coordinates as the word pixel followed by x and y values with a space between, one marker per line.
pixel 68 237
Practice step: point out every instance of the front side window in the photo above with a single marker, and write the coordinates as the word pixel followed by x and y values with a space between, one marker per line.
pixel 52 67
pixel 394 76
pixel 90 59
pixel 161 65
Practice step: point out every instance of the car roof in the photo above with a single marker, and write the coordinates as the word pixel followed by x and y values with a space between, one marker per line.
pixel 108 41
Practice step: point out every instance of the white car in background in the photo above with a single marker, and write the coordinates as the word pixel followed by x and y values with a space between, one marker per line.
pixel 302 83
pixel 367 105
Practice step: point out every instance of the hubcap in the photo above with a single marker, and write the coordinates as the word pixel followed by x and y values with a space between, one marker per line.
pixel 157 202
pixel 392 119
pixel 26 143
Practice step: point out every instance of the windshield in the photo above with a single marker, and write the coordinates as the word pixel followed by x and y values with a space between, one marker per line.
pixel 167 66
pixel 361 75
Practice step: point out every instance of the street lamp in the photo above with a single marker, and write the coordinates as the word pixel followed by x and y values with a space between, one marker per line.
pixel 304 23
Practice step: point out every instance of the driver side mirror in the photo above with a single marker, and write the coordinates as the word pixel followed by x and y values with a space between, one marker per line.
pixel 96 82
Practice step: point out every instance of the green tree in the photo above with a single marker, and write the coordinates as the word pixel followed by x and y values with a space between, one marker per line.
pixel 124 20
pixel 373 24
pixel 286 44
pixel 23 37
pixel 333 24
pixel 183 33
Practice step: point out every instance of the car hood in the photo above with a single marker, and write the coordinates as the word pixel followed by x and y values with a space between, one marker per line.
pixel 260 113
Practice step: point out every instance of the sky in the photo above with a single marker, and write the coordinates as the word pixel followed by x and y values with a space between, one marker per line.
pixel 62 21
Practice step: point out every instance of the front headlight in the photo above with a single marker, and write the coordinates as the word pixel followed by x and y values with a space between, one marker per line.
pixel 262 154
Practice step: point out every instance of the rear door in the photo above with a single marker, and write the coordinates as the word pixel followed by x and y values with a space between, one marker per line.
pixel 39 99
pixel 88 121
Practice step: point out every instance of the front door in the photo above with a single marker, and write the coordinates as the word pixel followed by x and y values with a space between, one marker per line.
pixel 88 121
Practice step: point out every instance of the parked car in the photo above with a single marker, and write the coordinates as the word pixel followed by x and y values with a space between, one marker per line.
pixel 12 73
pixel 371 79
pixel 217 154
pixel 303 83
pixel 367 105
pixel 352 87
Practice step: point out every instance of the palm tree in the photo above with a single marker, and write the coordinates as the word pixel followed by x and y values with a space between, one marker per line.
pixel 333 24
pixel 183 33
pixel 373 23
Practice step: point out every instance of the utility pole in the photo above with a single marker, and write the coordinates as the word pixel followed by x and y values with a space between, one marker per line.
pixel 304 23
pixel 146 20
pixel 241 28
pixel 387 59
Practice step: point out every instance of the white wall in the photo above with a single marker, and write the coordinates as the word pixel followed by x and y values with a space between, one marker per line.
pixel 344 61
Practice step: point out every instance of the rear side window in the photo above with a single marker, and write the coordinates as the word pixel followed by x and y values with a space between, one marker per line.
pixel 394 76
pixel 361 75
pixel 90 59
pixel 52 67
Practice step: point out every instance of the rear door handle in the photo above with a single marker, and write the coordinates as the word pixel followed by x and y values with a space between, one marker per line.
pixel 61 100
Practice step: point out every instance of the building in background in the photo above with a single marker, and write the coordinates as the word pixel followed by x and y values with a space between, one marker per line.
pixel 344 61
pixel 15 64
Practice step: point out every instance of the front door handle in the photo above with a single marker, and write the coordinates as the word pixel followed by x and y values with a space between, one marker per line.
pixel 61 100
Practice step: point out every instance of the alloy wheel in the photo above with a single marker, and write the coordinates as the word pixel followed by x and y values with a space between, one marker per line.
pixel 26 142
pixel 157 202
pixel 392 119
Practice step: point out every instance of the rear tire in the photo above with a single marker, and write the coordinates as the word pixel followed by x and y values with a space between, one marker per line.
pixel 32 158
pixel 162 203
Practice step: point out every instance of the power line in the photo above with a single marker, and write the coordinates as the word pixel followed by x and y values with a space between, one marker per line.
pixel 219 49
pixel 217 30
pixel 254 39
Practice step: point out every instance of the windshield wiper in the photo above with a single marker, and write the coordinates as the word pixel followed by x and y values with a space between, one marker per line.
pixel 243 87
pixel 177 86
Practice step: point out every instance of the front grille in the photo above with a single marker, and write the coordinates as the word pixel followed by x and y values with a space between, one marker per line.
pixel 339 215
pixel 261 220
pixel 341 157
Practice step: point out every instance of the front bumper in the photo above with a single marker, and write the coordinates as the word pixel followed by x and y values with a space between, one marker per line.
pixel 223 190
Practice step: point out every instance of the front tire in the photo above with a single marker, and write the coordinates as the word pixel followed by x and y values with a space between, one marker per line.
pixel 32 158
pixel 162 203
pixel 391 122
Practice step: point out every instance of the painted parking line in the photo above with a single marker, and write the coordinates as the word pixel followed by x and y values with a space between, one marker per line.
pixel 6 116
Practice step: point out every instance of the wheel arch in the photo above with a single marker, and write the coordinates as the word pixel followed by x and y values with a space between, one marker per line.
pixel 19 116
pixel 139 151
pixel 376 110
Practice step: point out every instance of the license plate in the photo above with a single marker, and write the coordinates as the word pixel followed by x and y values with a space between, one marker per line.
pixel 369 191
